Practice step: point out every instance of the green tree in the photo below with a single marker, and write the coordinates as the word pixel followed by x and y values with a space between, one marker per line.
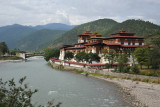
pixel 12 52
pixel 49 53
pixel 107 65
pixel 142 55
pixel 110 55
pixel 123 58
pixel 68 55
pixel 155 52
pixel 3 48
pixel 80 57
pixel 92 57
pixel 88 57
pixel 155 58
pixel 135 69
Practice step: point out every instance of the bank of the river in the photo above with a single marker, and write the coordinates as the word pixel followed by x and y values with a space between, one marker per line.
pixel 148 94
pixel 10 59
pixel 145 94
pixel 4 61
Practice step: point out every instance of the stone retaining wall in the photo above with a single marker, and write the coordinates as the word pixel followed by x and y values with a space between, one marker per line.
pixel 104 72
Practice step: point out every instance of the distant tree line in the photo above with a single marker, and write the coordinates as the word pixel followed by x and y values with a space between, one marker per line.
pixel 3 48
pixel 49 53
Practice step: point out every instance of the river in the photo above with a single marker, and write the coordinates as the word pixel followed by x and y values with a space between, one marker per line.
pixel 72 89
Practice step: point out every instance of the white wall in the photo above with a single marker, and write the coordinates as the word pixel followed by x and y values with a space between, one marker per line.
pixel 23 55
pixel 125 43
pixel 102 60
pixel 57 62
pixel 136 43
pixel 93 51
pixel 61 56
pixel 81 66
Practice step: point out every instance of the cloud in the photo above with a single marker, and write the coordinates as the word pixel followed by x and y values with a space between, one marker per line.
pixel 36 12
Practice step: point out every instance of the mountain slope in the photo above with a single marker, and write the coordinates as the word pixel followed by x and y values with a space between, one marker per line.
pixel 101 26
pixel 13 33
pixel 55 26
pixel 106 27
pixel 140 27
pixel 37 39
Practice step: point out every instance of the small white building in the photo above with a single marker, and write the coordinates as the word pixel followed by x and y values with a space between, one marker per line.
pixel 22 54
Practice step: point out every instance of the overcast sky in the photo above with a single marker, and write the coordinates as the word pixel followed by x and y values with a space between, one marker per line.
pixel 74 12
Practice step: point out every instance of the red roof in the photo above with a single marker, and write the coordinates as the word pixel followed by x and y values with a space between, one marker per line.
pixel 112 43
pixel 82 47
pixel 65 46
pixel 76 63
pixel 123 33
pixel 53 59
pixel 58 61
pixel 132 46
pixel 79 43
pixel 124 37
pixel 95 64
pixel 95 43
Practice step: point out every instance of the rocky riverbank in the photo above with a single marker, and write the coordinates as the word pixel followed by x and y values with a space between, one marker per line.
pixel 144 94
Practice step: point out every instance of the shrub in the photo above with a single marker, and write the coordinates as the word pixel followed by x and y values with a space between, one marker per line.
pixel 126 69
pixel 133 78
pixel 13 95
pixel 145 80
pixel 107 65
pixel 156 81
pixel 135 69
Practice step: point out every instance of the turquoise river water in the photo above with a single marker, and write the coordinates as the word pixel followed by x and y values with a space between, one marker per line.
pixel 72 89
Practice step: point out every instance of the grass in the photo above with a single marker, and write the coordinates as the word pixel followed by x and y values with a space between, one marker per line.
pixel 79 72
pixel 149 72
pixel 108 76
pixel 156 81
pixel 128 78
pixel 145 80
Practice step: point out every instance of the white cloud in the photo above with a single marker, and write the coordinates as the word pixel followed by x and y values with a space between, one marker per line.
pixel 36 12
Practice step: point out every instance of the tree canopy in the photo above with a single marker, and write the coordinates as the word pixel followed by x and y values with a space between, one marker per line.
pixel 68 55
pixel 49 53
pixel 18 95
pixel 3 48
pixel 142 55
pixel 88 57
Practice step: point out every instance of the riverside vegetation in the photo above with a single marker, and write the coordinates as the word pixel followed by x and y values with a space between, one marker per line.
pixel 6 54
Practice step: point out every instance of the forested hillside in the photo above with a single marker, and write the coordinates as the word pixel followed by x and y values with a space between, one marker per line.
pixel 13 33
pixel 101 26
pixel 106 27
pixel 38 40
pixel 31 37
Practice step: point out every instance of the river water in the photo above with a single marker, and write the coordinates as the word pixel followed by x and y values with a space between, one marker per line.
pixel 73 90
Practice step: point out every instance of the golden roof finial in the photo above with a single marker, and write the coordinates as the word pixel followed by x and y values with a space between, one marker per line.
pixel 122 30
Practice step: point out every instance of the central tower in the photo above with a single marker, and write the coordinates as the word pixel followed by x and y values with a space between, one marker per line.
pixel 84 37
